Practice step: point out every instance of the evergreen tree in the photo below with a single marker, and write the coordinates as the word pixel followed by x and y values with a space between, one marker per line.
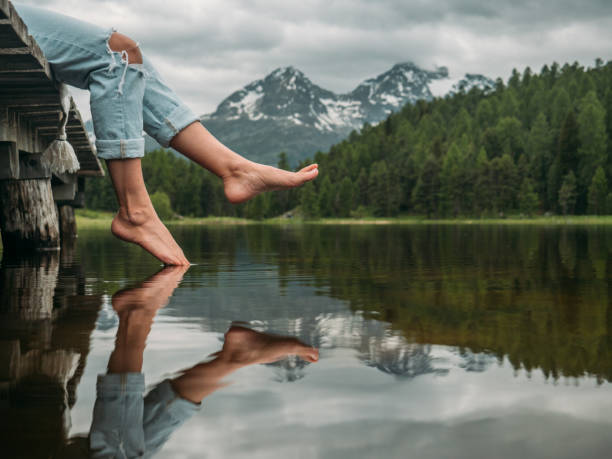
pixel 539 155
pixel 425 192
pixel 326 198
pixel 378 186
pixel 345 198
pixel 361 192
pixel 453 182
pixel 593 139
pixel 309 201
pixel 598 192
pixel 528 198
pixel 503 183
pixel 567 194
pixel 482 187
pixel 568 144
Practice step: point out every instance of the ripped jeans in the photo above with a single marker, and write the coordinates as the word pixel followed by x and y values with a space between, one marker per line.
pixel 124 97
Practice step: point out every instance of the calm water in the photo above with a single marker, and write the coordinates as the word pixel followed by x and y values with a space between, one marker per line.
pixel 435 342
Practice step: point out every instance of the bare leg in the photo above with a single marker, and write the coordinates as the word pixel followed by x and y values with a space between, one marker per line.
pixel 242 347
pixel 242 179
pixel 136 220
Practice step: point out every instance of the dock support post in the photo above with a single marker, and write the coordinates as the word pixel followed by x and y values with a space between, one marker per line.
pixel 28 219
pixel 68 228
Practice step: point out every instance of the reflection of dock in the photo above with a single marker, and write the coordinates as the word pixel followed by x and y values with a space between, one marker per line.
pixel 30 112
pixel 44 329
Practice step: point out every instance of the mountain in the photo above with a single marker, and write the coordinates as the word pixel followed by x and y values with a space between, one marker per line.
pixel 286 111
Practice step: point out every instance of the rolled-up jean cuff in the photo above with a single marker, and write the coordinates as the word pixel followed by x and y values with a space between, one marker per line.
pixel 178 119
pixel 116 383
pixel 120 149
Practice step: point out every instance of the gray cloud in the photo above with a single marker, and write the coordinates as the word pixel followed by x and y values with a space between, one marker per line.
pixel 207 49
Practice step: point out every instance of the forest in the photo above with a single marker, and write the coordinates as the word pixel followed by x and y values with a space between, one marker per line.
pixel 536 144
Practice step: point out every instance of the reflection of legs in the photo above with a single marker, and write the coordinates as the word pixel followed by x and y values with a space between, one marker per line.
pixel 137 308
pixel 136 220
pixel 242 347
pixel 117 427
pixel 242 179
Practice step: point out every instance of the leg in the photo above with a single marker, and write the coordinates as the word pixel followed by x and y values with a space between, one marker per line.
pixel 169 121
pixel 242 179
pixel 136 220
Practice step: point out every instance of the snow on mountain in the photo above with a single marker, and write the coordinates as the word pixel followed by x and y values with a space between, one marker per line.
pixel 286 111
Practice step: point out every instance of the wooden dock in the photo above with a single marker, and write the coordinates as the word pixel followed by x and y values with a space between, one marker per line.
pixel 35 203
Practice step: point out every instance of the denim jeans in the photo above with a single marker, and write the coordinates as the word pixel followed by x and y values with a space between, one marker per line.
pixel 124 97
pixel 125 425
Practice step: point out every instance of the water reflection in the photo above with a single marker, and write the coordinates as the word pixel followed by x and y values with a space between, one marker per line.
pixel 429 336
pixel 126 424
pixel 45 324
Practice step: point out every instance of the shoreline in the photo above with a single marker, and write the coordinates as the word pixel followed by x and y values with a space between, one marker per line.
pixel 95 219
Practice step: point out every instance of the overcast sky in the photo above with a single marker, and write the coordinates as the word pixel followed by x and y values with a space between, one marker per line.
pixel 206 49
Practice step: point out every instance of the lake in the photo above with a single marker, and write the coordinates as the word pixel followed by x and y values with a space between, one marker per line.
pixel 452 341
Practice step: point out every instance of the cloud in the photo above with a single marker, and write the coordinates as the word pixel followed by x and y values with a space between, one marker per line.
pixel 208 49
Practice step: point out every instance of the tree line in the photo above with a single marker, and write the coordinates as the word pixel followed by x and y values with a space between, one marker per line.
pixel 538 143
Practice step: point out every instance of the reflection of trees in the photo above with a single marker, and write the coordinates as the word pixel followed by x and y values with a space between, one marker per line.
pixel 537 295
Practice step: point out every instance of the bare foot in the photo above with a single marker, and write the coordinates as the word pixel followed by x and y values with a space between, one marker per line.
pixel 248 179
pixel 146 229
pixel 244 346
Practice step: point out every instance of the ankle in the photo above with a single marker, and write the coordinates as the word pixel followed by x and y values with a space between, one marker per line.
pixel 237 167
pixel 136 215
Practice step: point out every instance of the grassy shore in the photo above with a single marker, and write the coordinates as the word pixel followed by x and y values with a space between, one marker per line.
pixel 96 219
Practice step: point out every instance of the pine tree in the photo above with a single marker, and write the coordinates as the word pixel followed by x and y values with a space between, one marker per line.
pixel 309 201
pixel 593 139
pixel 482 187
pixel 598 192
pixel 326 198
pixel 567 194
pixel 503 183
pixel 345 197
pixel 452 190
pixel 539 155
pixel 528 198
pixel 378 186
pixel 425 192
pixel 568 144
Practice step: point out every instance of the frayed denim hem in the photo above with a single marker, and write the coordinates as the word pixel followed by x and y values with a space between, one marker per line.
pixel 120 149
